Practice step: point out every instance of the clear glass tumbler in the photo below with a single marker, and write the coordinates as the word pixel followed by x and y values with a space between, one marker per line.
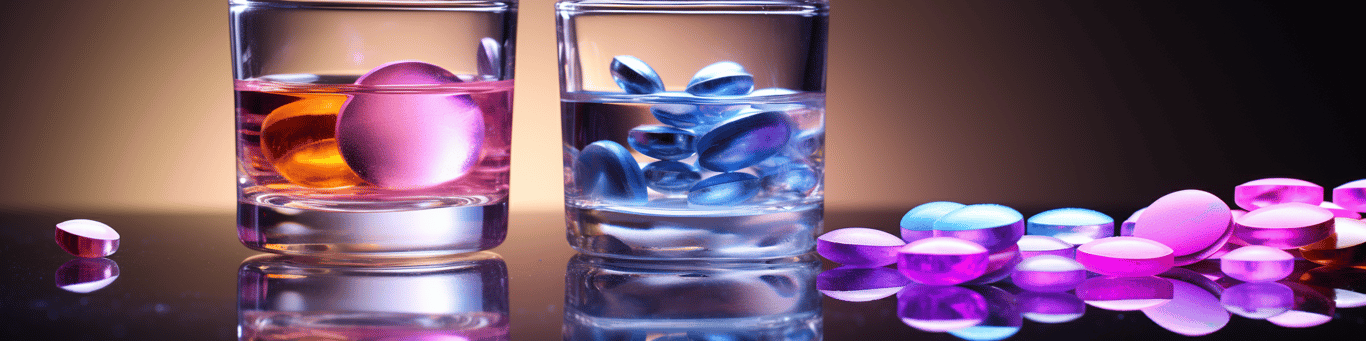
pixel 377 128
pixel 693 129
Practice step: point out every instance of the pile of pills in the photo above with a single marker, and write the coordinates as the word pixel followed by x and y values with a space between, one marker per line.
pixel 1135 267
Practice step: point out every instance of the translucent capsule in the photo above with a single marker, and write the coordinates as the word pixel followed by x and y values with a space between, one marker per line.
pixel 318 165
pixel 790 178
pixel 1257 263
pixel 1338 211
pixel 724 189
pixel 855 284
pixel 1127 227
pixel 1351 195
pixel 1125 293
pixel 299 140
pixel 678 115
pixel 942 261
pixel 86 275
pixel 1048 273
pixel 1073 225
pixel 661 142
pixel 1345 247
pixel 634 76
pixel 721 79
pixel 1051 307
pixel 410 141
pixel 1192 311
pixel 1125 257
pixel 605 170
pixel 939 309
pixel 1258 300
pixel 490 60
pixel 87 238
pixel 1285 226
pixel 994 227
pixel 1033 246
pixel 858 246
pixel 1260 193
pixel 1193 223
pixel 918 223
pixel 743 141
pixel 670 176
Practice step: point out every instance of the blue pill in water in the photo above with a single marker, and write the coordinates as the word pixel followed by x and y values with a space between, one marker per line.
pixel 743 141
pixel 721 79
pixel 634 76
pixel 670 176
pixel 724 189
pixel 1075 226
pixel 793 177
pixel 660 142
pixel 678 115
pixel 918 223
pixel 605 170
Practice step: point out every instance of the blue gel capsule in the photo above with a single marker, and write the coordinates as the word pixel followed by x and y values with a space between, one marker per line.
pixel 1075 226
pixel 677 114
pixel 743 141
pixel 794 177
pixel 605 170
pixel 995 227
pixel 721 79
pixel 661 142
pixel 918 223
pixel 670 176
pixel 724 189
pixel 634 76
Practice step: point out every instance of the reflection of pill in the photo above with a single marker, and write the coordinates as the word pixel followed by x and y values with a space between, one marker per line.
pixel 942 260
pixel 1260 193
pixel 1256 263
pixel 858 246
pixel 855 284
pixel 1258 300
pixel 1125 256
pixel 87 238
pixel 85 275
pixel 1193 223
pixel 940 308
pixel 1285 226
pixel 1125 293
pixel 1073 225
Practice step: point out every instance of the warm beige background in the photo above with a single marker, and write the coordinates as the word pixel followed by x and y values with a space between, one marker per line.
pixel 126 105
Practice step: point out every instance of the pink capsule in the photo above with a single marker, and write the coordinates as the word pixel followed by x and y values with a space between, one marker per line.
pixel 1338 211
pixel 1193 223
pixel 858 246
pixel 1285 226
pixel 87 238
pixel 1031 246
pixel 942 260
pixel 1351 195
pixel 1048 273
pixel 1125 256
pixel 1260 193
pixel 1257 263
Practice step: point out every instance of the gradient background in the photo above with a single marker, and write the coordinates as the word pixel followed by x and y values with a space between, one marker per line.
pixel 127 105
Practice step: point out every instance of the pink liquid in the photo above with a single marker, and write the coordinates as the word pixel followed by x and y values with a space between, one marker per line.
pixel 288 156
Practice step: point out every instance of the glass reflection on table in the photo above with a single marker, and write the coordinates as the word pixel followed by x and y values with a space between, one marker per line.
pixel 614 299
pixel 452 298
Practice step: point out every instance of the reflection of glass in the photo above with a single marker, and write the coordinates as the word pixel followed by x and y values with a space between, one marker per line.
pixel 283 298
pixel 430 232
pixel 625 300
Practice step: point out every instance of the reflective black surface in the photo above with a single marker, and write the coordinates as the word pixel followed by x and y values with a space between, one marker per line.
pixel 186 277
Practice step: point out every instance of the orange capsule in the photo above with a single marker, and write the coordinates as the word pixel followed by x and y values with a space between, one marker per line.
pixel 1346 247
pixel 299 140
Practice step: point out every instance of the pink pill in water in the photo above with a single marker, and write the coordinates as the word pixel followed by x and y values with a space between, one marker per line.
pixel 1125 256
pixel 1351 195
pixel 942 260
pixel 858 246
pixel 87 238
pixel 1260 193
pixel 1257 263
pixel 1031 246
pixel 1193 223
pixel 1285 226
pixel 405 140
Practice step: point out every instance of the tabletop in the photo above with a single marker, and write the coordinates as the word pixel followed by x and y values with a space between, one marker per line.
pixel 186 277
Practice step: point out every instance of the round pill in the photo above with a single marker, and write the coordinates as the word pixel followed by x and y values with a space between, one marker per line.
pixel 1193 223
pixel 634 76
pixel 1073 225
pixel 1351 195
pixel 1338 211
pixel 1260 193
pixel 1257 263
pixel 918 223
pixel 1125 256
pixel 87 238
pixel 1048 273
pixel 858 246
pixel 992 226
pixel 942 260
pixel 1285 226
pixel 1031 246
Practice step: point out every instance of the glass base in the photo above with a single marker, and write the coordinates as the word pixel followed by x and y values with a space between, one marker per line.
pixel 688 235
pixel 429 232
